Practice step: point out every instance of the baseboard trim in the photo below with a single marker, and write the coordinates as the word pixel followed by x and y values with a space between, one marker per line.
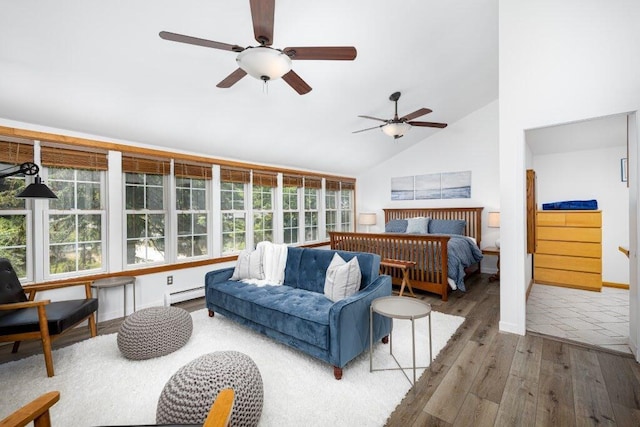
pixel 529 287
pixel 616 285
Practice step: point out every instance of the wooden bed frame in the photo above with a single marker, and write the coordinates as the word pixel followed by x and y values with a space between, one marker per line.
pixel 431 274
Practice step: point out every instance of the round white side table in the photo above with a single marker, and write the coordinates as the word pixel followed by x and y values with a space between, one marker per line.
pixel 396 307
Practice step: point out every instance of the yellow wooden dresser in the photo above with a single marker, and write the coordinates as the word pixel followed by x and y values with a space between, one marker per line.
pixel 569 249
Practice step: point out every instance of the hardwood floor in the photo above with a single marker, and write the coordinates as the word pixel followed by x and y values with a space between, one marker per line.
pixel 487 378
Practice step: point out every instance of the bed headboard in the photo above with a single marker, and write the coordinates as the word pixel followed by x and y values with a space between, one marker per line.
pixel 473 217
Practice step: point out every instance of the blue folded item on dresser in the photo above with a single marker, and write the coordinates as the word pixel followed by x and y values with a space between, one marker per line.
pixel 571 205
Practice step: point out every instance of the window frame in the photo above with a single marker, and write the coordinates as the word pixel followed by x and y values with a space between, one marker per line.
pixel 194 213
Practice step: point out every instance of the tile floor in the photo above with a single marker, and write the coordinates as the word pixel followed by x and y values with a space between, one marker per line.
pixel 598 318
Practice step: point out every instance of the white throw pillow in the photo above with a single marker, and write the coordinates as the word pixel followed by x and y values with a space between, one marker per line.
pixel 418 225
pixel 343 278
pixel 249 265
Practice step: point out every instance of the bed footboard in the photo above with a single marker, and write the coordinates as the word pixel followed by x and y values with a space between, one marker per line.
pixel 429 252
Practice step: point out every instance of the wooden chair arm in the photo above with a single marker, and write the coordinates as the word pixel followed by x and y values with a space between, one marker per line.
pixel 49 286
pixel 220 412
pixel 26 304
pixel 37 411
pixel 31 290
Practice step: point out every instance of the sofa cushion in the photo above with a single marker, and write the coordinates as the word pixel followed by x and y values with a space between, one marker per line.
pixel 343 278
pixel 294 312
pixel 307 268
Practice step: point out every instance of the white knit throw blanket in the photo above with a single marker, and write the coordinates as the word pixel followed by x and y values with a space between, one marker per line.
pixel 274 261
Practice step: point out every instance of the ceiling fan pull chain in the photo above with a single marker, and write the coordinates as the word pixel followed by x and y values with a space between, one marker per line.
pixel 265 87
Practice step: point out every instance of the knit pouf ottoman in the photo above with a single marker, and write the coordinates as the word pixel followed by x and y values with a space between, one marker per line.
pixel 153 332
pixel 190 392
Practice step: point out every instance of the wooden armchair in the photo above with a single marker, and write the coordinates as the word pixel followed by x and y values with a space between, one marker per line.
pixel 38 411
pixel 23 318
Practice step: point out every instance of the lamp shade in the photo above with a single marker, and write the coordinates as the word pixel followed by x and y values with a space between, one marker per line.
pixel 367 219
pixel 494 219
pixel 264 63
pixel 37 190
pixel 396 129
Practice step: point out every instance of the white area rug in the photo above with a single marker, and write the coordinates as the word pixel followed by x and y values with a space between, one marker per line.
pixel 100 387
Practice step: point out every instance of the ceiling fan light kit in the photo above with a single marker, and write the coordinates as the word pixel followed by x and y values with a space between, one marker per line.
pixel 396 130
pixel 264 63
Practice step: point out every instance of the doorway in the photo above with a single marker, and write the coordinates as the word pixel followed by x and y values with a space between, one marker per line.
pixel 584 161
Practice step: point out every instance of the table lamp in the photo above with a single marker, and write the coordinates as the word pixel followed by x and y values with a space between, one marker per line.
pixel 494 222
pixel 367 219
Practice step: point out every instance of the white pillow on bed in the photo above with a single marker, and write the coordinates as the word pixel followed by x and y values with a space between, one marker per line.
pixel 249 265
pixel 418 225
pixel 342 279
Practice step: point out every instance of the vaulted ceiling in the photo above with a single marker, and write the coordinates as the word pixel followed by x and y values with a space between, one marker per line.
pixel 100 68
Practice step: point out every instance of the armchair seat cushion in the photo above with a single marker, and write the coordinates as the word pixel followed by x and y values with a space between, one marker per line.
pixel 60 316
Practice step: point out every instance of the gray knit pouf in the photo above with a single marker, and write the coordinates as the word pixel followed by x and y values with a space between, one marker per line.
pixel 154 332
pixel 190 392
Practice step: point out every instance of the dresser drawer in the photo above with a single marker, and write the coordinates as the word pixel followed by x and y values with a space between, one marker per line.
pixel 582 249
pixel 570 234
pixel 572 263
pixel 569 219
pixel 574 279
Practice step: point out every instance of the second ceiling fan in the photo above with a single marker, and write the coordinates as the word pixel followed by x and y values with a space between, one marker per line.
pixel 398 126
pixel 264 62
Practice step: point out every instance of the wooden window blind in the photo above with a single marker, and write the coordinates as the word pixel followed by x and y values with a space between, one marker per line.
pixel 332 185
pixel 312 182
pixel 15 153
pixel 75 159
pixel 292 181
pixel 347 185
pixel 142 165
pixel 235 175
pixel 190 170
pixel 266 179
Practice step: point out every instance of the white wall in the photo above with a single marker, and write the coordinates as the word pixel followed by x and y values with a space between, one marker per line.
pixel 559 62
pixel 592 174
pixel 470 144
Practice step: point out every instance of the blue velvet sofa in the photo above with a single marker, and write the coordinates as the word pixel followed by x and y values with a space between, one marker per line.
pixel 298 314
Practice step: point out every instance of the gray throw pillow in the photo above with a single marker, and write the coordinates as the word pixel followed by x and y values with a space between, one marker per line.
pixel 447 226
pixel 396 226
pixel 342 279
pixel 249 265
pixel 418 225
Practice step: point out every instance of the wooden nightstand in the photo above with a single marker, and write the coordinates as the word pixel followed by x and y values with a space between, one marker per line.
pixel 492 250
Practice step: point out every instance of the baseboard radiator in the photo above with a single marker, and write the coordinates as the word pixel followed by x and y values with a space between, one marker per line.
pixel 183 295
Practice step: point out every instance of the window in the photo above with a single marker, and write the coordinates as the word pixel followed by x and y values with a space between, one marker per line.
pixel 14 220
pixel 145 210
pixel 233 187
pixel 192 210
pixel 75 220
pixel 263 191
pixel 311 194
pixel 290 208
pixel 346 206
pixel 331 205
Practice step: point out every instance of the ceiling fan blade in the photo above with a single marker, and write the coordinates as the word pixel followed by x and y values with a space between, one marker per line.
pixel 428 124
pixel 335 53
pixel 262 12
pixel 373 118
pixel 416 114
pixel 232 78
pixel 362 130
pixel 296 82
pixel 199 42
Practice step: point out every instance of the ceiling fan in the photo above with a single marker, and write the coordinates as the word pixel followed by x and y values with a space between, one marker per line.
pixel 264 62
pixel 398 126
